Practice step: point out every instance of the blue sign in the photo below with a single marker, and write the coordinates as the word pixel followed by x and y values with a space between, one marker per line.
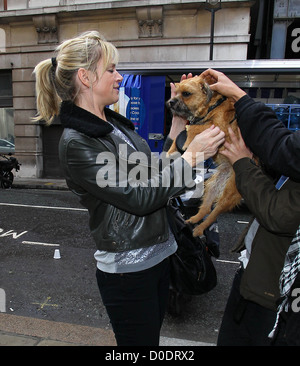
pixel 142 100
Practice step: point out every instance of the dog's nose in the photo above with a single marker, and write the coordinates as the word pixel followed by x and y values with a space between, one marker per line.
pixel 172 102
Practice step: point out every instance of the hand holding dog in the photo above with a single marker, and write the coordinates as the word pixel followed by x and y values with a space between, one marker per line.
pixel 222 84
pixel 206 142
pixel 237 149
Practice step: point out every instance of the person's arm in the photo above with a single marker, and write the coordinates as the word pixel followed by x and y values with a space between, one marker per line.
pixel 276 210
pixel 268 138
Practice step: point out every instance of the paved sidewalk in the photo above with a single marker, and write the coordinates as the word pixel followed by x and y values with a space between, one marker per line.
pixel 23 331
pixel 18 330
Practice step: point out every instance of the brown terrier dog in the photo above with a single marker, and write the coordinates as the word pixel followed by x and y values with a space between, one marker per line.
pixel 196 102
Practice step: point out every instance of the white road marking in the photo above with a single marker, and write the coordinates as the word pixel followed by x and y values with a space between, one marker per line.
pixel 38 243
pixel 40 207
pixel 166 341
pixel 47 207
pixel 225 261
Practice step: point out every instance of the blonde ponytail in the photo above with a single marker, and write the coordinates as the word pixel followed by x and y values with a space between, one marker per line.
pixel 48 101
pixel 56 81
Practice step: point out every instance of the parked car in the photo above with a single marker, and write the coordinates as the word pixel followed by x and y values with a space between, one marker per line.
pixel 6 147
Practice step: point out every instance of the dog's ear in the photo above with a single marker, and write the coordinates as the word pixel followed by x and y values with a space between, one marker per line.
pixel 207 91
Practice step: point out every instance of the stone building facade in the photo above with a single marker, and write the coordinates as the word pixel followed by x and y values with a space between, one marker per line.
pixel 158 33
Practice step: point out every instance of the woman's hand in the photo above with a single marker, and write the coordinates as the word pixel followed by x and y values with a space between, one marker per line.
pixel 237 149
pixel 206 143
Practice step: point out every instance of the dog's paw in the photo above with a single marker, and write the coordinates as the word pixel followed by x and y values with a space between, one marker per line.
pixel 198 231
pixel 171 153
pixel 185 146
pixel 192 220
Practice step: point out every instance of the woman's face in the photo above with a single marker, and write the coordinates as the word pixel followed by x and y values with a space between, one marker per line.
pixel 106 87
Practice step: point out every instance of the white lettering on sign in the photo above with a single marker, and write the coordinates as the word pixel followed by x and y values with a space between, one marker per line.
pixel 296 41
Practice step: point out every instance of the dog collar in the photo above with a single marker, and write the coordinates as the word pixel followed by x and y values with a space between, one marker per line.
pixel 233 119
pixel 196 120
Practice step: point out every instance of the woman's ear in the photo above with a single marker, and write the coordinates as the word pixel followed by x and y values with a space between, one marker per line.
pixel 83 76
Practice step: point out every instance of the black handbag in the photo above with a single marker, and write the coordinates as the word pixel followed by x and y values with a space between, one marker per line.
pixel 192 271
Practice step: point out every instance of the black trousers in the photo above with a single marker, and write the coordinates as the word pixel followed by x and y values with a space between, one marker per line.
pixel 288 330
pixel 136 303
pixel 244 322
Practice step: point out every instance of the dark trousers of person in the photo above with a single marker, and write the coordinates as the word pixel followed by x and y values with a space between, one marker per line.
pixel 136 303
pixel 244 322
pixel 288 329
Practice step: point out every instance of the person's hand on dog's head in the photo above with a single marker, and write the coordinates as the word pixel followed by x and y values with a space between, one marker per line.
pixel 222 84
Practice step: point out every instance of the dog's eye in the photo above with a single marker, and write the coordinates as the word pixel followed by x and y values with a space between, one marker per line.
pixel 186 94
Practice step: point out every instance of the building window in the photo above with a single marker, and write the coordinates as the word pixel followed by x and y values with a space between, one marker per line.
pixel 7 135
pixel 2 40
pixel 6 95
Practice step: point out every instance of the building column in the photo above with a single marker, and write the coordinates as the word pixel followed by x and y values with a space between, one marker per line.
pixel 278 39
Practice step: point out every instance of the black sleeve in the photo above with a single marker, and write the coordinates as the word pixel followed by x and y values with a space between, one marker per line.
pixel 268 138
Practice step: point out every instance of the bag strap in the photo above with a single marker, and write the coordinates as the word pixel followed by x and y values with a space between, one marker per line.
pixel 177 201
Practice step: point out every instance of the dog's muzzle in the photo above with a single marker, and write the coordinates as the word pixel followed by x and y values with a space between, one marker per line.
pixel 179 108
pixel 172 103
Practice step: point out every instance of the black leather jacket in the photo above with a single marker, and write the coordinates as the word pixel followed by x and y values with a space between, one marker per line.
pixel 121 217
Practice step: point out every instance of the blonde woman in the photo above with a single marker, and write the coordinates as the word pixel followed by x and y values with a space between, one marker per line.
pixel 128 221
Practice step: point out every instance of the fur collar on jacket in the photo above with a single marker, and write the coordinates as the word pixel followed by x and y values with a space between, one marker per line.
pixel 79 119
